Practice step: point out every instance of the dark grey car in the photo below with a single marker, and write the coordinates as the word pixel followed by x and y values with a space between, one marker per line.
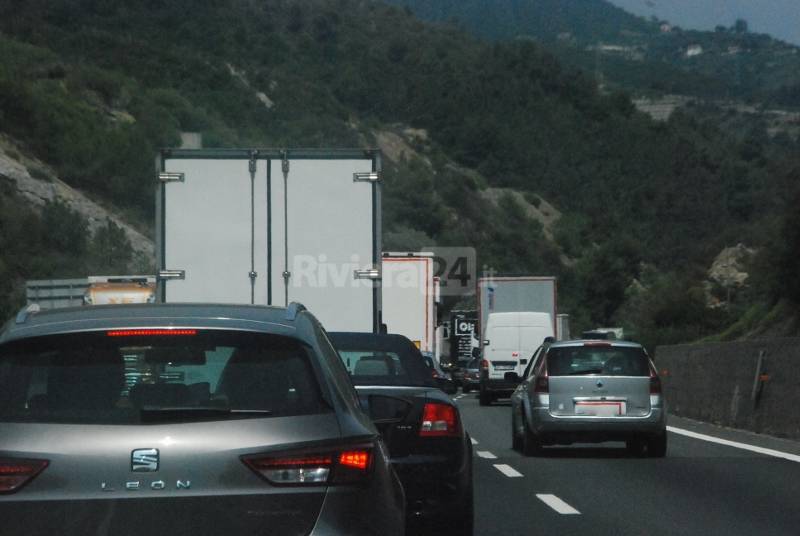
pixel 589 391
pixel 185 419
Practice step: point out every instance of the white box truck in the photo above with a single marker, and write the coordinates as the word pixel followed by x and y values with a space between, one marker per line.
pixel 272 226
pixel 409 297
pixel 526 294
pixel 515 295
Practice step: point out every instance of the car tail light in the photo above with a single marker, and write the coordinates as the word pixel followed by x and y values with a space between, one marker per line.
pixel 345 466
pixel 439 420
pixel 655 382
pixel 542 384
pixel 151 332
pixel 16 473
pixel 434 374
pixel 484 364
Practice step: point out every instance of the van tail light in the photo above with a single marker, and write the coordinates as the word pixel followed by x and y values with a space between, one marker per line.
pixel 484 364
pixel 15 473
pixel 655 382
pixel 314 468
pixel 439 420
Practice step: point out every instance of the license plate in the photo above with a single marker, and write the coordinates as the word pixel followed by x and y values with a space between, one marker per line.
pixel 600 409
pixel 504 367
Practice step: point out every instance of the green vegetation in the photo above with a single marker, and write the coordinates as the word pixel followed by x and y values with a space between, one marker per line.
pixel 94 88
pixel 733 62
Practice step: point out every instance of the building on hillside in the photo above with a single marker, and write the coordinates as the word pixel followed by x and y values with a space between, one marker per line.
pixel 694 50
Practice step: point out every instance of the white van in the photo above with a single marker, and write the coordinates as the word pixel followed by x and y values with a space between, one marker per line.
pixel 510 341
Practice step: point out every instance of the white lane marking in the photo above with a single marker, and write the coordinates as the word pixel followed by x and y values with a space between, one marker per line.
pixel 507 470
pixel 556 504
pixel 458 397
pixel 743 446
pixel 485 454
pixel 474 441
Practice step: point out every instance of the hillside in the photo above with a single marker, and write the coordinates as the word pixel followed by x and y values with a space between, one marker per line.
pixel 588 21
pixel 92 89
pixel 634 53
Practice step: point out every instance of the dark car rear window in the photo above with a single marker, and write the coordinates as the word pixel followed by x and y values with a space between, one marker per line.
pixel 597 359
pixel 373 359
pixel 96 378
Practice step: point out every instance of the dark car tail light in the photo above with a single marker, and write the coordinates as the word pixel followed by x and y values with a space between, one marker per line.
pixel 484 364
pixel 15 473
pixel 439 420
pixel 341 466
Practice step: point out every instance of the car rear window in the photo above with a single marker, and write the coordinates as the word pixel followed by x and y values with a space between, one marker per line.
pixel 130 377
pixel 597 359
pixel 381 360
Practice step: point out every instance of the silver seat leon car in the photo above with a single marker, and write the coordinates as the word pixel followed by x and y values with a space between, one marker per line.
pixel 589 391
pixel 185 419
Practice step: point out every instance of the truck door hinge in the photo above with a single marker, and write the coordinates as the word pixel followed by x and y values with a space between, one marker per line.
pixel 366 176
pixel 171 176
pixel 165 275
pixel 369 273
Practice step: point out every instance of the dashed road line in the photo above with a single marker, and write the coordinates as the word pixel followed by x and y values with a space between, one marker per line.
pixel 507 470
pixel 735 444
pixel 557 504
pixel 485 454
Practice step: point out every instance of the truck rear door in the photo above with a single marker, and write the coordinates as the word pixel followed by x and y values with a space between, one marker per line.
pixel 270 227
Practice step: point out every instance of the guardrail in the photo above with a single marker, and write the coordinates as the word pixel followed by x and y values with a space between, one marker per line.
pixel 750 385
pixel 55 293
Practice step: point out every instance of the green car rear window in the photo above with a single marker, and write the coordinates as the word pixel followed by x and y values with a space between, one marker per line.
pixel 139 376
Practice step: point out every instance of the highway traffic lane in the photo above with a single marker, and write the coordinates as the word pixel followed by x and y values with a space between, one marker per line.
pixel 700 488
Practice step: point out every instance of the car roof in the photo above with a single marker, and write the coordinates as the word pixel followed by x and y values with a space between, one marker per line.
pixel 595 342
pixel 34 323
pixel 387 339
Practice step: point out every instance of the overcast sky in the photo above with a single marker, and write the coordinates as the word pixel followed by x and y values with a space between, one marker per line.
pixel 779 18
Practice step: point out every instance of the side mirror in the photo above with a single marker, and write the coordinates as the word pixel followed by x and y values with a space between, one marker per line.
pixel 512 377
pixel 383 409
pixel 476 352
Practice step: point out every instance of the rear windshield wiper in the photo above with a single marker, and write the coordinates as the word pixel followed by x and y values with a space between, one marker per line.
pixel 587 371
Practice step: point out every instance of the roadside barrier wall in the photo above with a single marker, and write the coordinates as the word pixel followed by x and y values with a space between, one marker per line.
pixel 750 385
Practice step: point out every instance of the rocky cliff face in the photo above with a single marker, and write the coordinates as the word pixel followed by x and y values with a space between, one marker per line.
pixel 36 183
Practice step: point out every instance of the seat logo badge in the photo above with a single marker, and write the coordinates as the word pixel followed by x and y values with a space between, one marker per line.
pixel 144 460
pixel 599 383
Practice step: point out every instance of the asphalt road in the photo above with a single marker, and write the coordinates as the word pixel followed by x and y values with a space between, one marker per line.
pixel 701 487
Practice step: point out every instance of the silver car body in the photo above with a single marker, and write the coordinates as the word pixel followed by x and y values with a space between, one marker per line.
pixel 618 400
pixel 190 476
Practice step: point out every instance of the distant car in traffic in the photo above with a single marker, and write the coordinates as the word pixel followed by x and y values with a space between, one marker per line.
pixel 429 447
pixel 471 378
pixel 589 391
pixel 186 419
pixel 443 379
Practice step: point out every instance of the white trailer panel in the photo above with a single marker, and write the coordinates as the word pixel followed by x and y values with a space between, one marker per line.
pixel 222 233
pixel 409 297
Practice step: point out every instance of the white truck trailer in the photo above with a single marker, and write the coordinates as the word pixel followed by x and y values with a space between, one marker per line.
pixel 409 297
pixel 271 226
